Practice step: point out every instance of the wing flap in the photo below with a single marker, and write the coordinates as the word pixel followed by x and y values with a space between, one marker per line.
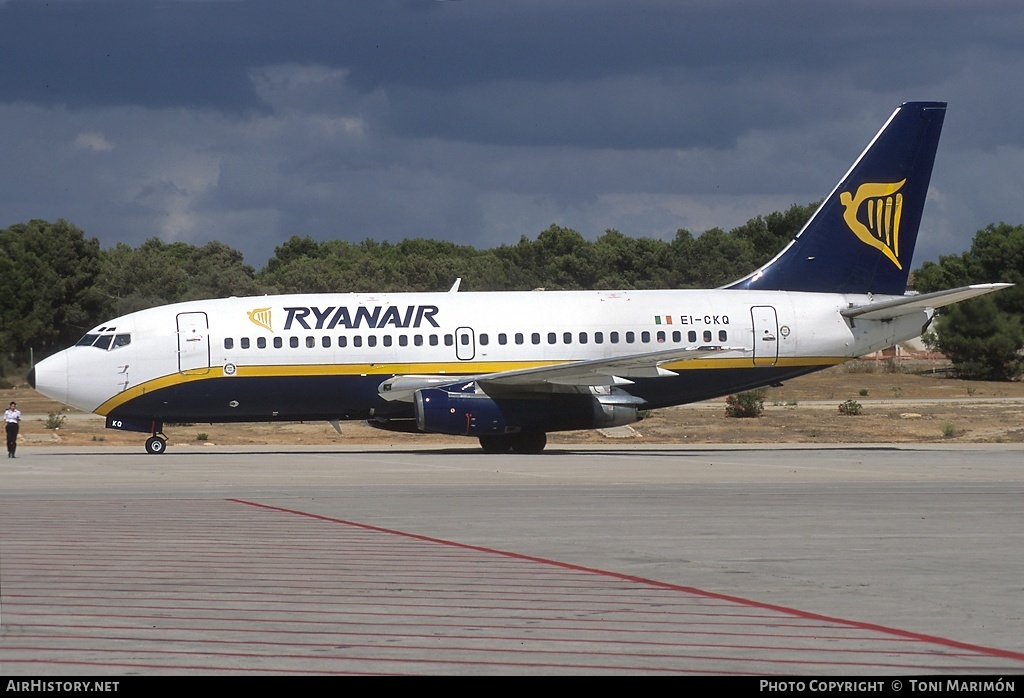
pixel 592 375
pixel 612 371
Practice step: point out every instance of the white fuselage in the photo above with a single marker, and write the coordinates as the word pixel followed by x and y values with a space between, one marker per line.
pixel 368 336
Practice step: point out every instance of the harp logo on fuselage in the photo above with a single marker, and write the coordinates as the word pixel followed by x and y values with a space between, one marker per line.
pixel 261 317
pixel 873 214
pixel 331 317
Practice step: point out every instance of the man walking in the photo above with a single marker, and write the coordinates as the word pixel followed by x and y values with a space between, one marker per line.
pixel 12 420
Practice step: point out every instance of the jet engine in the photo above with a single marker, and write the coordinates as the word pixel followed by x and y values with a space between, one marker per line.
pixel 441 411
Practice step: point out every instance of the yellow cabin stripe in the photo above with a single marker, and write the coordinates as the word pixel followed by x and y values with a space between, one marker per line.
pixel 455 368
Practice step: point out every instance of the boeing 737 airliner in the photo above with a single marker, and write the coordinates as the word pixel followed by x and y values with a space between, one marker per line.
pixel 509 367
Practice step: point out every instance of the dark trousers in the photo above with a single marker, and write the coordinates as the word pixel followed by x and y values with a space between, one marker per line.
pixel 12 437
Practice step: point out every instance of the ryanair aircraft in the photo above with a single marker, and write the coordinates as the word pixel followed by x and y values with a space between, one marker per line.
pixel 509 367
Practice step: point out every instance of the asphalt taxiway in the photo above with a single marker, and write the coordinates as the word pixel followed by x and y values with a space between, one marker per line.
pixel 789 560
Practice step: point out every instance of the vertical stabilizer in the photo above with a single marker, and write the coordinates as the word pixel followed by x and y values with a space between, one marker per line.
pixel 862 238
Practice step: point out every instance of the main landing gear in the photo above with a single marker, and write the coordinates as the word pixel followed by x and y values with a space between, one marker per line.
pixel 156 444
pixel 524 442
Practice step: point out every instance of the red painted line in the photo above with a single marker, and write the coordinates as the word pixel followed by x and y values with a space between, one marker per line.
pixel 432 637
pixel 530 664
pixel 920 637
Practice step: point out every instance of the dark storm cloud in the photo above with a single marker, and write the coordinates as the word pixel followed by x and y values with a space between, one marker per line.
pixel 495 71
pixel 479 121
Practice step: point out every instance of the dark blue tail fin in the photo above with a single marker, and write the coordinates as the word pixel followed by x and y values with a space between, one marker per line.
pixel 861 239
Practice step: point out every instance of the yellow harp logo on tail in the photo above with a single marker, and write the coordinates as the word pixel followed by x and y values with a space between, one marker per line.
pixel 261 317
pixel 882 206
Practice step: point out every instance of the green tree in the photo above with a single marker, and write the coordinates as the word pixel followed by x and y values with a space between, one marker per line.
pixel 982 341
pixel 48 273
pixel 713 258
pixel 983 337
pixel 156 273
pixel 628 262
pixel 771 233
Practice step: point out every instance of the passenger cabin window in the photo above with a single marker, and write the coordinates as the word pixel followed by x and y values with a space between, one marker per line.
pixel 229 343
pixel 371 340
pixel 310 342
pixel 645 336
pixel 244 342
pixel 707 335
pixel 691 336
pixel 630 338
pixel 722 335
pixel 278 342
pixel 484 339
pixel 261 342
pixel 293 342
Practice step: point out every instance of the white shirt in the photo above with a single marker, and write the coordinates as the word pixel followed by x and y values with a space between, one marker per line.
pixel 12 416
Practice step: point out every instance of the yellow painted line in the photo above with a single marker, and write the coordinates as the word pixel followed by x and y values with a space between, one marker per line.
pixel 455 368
pixel 446 368
pixel 747 362
pixel 158 384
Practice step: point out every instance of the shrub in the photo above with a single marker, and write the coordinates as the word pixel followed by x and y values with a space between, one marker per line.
pixel 202 436
pixel 849 407
pixel 54 420
pixel 748 404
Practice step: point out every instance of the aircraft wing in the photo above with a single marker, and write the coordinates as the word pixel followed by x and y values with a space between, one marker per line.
pixel 581 375
pixel 568 377
pixel 887 310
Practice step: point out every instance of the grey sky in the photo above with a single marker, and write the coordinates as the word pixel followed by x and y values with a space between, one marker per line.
pixel 479 121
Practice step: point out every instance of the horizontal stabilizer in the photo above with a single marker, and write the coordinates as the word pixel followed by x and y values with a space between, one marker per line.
pixel 887 310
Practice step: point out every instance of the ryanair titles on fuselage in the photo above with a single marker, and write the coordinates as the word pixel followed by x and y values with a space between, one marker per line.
pixel 313 318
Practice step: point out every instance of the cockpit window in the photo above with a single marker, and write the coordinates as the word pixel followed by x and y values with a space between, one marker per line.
pixel 105 341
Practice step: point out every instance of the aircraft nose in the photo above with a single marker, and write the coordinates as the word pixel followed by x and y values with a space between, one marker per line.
pixel 50 377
